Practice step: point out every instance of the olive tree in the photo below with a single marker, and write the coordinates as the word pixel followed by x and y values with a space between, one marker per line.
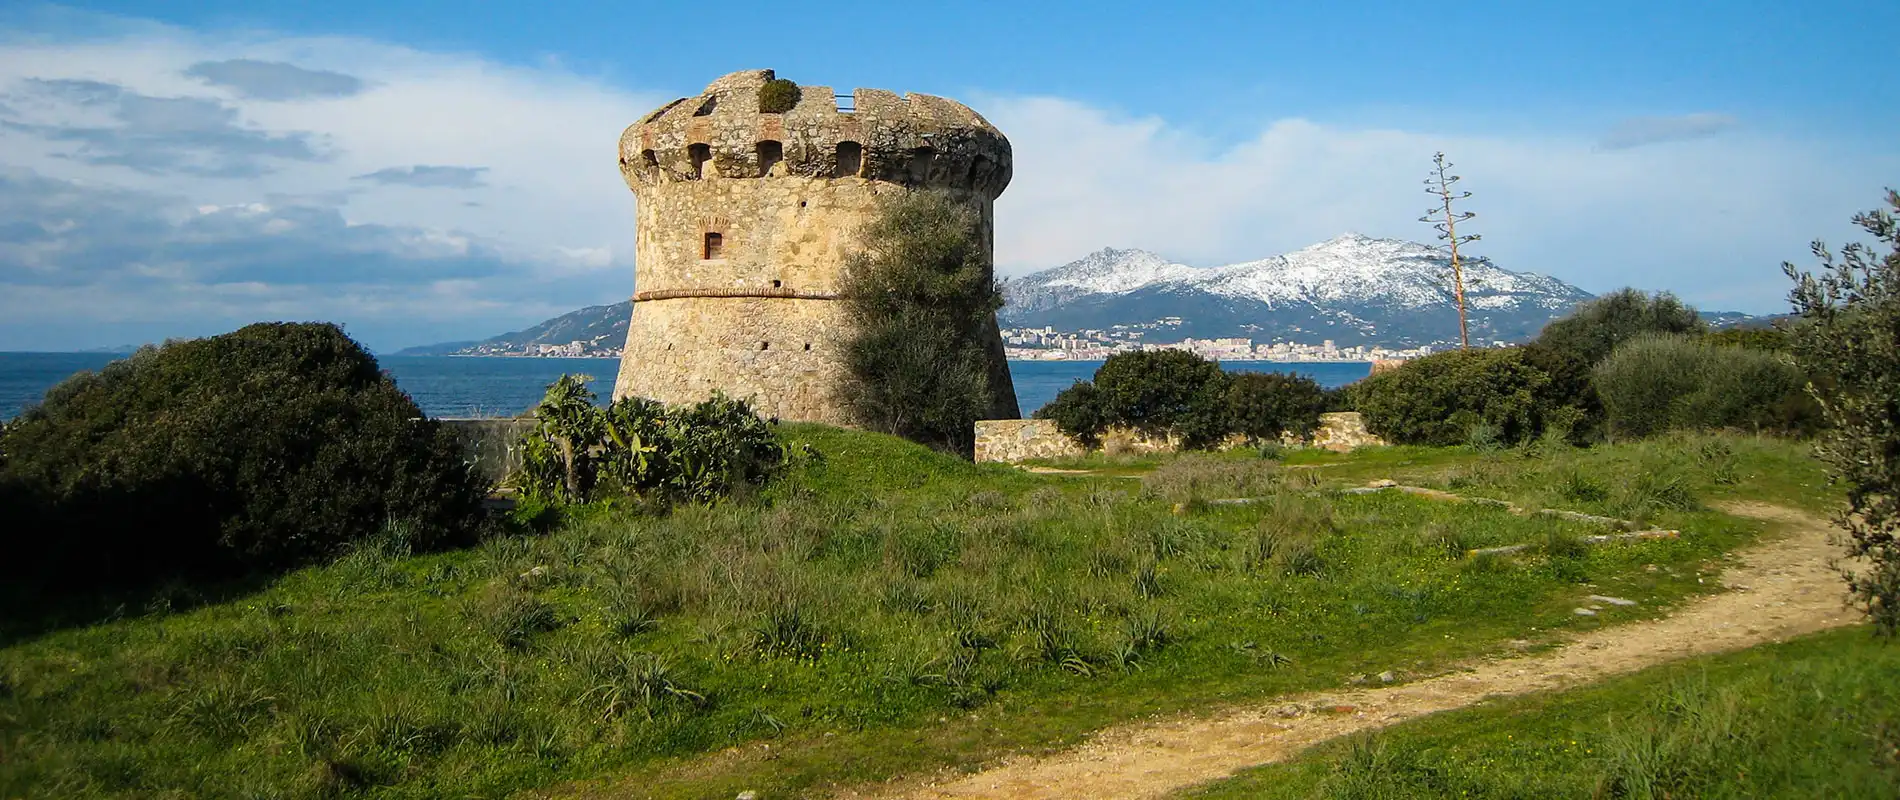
pixel 1850 347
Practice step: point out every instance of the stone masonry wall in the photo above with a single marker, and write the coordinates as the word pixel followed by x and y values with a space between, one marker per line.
pixel 1013 440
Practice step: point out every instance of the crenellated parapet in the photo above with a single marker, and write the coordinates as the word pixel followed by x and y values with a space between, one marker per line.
pixel 917 140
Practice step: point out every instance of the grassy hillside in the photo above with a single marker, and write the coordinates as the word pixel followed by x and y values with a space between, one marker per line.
pixel 883 611
pixel 1816 717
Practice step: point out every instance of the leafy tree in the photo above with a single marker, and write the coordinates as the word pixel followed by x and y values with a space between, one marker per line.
pixel 1850 345
pixel 1773 338
pixel 1165 393
pixel 922 301
pixel 1568 349
pixel 1453 397
pixel 1593 329
pixel 1264 405
pixel 1078 412
pixel 275 445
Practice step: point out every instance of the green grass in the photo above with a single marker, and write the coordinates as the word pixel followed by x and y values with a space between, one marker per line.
pixel 1815 717
pixel 883 611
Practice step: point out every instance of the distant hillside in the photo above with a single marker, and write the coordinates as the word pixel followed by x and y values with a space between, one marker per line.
pixel 601 330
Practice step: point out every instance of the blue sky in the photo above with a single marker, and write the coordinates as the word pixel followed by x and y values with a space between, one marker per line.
pixel 424 171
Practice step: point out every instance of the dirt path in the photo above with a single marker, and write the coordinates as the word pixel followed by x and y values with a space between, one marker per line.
pixel 1781 588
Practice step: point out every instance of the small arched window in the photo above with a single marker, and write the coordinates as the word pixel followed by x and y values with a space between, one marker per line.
pixel 715 246
pixel 700 154
pixel 770 153
pixel 850 159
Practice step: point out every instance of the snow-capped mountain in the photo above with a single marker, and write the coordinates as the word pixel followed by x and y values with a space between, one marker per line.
pixel 1352 289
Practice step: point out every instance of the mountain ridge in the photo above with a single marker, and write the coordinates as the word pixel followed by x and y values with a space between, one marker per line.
pixel 1352 289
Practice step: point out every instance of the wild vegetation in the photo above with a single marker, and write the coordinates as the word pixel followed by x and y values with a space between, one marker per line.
pixel 778 96
pixel 881 589
pixel 1182 396
pixel 1850 344
pixel 1816 717
pixel 1626 364
pixel 638 449
pixel 270 447
pixel 922 305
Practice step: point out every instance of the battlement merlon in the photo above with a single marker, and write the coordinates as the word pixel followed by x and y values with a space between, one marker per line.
pixel 913 140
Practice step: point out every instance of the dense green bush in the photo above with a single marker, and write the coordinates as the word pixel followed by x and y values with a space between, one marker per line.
pixel 1656 383
pixel 1776 338
pixel 1175 393
pixel 778 96
pixel 578 451
pixel 1078 412
pixel 1593 329
pixel 274 445
pixel 1165 393
pixel 1455 397
pixel 1569 348
pixel 1264 405
pixel 924 361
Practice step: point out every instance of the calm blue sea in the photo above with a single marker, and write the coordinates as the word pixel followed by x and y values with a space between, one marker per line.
pixel 482 387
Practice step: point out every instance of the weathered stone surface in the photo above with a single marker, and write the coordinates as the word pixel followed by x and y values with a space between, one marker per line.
pixel 1012 440
pixel 1343 431
pixel 786 194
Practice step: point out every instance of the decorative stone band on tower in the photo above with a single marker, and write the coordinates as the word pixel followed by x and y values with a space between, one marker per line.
pixel 744 221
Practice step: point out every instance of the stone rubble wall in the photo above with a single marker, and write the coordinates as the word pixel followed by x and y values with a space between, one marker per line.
pixel 1014 440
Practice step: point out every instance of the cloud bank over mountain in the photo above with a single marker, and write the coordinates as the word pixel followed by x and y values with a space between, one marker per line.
pixel 157 181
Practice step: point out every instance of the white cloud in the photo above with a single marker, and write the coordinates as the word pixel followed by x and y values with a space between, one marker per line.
pixel 424 196
pixel 1710 219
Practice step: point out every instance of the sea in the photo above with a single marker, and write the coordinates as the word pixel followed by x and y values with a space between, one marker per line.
pixel 476 386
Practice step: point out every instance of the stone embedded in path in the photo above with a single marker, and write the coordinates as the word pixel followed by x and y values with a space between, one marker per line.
pixel 1583 612
pixel 1615 601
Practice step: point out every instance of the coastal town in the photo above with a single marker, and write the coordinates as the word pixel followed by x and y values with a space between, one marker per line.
pixel 1049 344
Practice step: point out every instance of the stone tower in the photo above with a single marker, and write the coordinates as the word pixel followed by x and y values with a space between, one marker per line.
pixel 745 219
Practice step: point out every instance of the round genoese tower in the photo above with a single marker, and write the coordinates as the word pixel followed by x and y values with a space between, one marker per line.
pixel 745 217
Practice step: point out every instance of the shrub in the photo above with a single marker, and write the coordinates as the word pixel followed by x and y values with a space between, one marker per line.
pixel 578 451
pixel 1165 392
pixel 1776 338
pixel 778 96
pixel 1850 343
pixel 1657 383
pixel 1569 348
pixel 924 361
pixel 1078 412
pixel 1443 398
pixel 1264 405
pixel 1595 328
pixel 274 445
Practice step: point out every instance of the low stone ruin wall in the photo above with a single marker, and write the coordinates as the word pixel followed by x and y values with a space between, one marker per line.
pixel 1013 440
pixel 1341 432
